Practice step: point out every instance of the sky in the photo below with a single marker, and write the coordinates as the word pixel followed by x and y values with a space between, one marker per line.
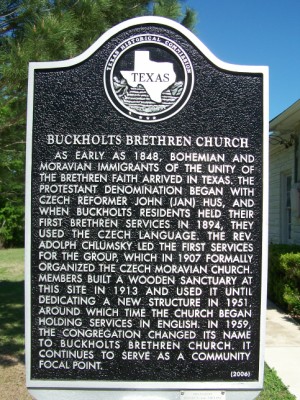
pixel 255 32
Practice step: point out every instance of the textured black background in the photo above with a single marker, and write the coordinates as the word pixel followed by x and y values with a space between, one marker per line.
pixel 73 101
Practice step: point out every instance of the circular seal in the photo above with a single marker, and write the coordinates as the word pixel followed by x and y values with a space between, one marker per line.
pixel 148 78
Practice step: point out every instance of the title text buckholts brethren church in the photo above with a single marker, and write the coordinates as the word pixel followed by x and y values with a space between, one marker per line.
pixel 146 202
pixel 161 140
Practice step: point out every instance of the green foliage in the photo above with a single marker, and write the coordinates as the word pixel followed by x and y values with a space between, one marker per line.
pixel 46 30
pixel 190 19
pixel 291 296
pixel 173 9
pixel 284 277
pixel 12 225
pixel 291 265
pixel 12 160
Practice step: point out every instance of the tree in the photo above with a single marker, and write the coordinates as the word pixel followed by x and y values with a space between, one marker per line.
pixel 45 30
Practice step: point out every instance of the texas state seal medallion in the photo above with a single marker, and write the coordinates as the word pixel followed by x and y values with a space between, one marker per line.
pixel 148 78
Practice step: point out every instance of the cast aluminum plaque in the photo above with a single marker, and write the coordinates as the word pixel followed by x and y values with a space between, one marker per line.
pixel 146 200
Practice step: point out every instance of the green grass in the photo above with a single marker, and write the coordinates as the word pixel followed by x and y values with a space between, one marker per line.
pixel 274 389
pixel 12 265
pixel 12 321
pixel 11 306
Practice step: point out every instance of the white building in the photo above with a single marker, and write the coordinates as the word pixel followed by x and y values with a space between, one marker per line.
pixel 284 218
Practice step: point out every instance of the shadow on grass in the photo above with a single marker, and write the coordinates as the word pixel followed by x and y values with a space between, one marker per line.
pixel 11 322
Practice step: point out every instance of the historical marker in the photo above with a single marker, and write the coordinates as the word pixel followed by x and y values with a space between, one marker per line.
pixel 146 210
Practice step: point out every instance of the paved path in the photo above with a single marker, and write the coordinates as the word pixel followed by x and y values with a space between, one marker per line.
pixel 283 348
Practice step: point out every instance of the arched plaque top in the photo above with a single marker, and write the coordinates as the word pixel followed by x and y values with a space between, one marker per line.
pixel 139 21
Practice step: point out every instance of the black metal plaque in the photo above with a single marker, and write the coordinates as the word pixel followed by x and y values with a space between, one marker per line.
pixel 145 196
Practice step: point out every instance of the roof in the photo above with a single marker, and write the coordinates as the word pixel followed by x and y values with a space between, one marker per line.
pixel 287 121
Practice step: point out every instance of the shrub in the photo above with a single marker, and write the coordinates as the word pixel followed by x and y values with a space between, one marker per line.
pixel 12 226
pixel 284 277
pixel 292 298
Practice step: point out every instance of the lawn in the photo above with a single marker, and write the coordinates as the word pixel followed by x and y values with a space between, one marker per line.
pixel 274 389
pixel 12 373
pixel 12 305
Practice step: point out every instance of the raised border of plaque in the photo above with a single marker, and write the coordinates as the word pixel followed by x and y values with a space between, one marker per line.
pixel 170 390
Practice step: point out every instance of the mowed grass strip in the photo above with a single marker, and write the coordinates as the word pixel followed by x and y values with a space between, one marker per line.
pixel 11 306
pixel 274 389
